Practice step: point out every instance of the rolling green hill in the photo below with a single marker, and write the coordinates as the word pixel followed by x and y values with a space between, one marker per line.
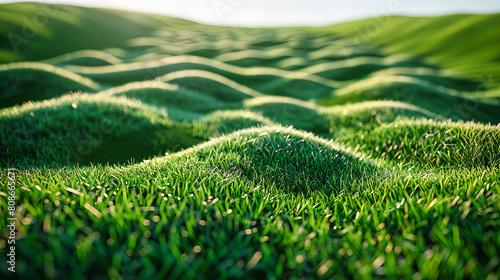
pixel 35 31
pixel 152 147
pixel 464 43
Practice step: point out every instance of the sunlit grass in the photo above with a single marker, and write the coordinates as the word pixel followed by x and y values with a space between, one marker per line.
pixel 168 149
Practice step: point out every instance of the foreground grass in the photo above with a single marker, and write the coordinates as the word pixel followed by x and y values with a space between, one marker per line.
pixel 187 216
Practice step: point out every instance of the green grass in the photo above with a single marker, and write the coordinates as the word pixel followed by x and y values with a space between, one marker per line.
pixel 430 144
pixel 153 147
pixel 168 96
pixel 85 58
pixel 77 129
pixel 448 103
pixel 215 221
pixel 31 27
pixel 450 41
pixel 20 82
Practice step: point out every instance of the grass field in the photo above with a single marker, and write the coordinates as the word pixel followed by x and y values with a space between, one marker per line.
pixel 152 147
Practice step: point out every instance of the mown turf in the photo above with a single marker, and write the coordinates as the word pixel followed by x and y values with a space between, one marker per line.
pixel 152 147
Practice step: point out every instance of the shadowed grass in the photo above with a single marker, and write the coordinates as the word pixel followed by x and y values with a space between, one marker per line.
pixel 263 79
pixel 170 97
pixel 88 128
pixel 365 116
pixel 224 122
pixel 293 160
pixel 285 110
pixel 451 41
pixel 445 102
pixel 84 58
pixel 210 83
pixel 23 82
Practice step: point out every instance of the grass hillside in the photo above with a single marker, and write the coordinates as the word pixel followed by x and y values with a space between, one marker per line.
pixel 464 43
pixel 152 147
pixel 30 27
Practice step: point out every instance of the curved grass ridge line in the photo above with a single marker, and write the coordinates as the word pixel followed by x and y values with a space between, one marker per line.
pixel 98 56
pixel 366 105
pixel 327 120
pixel 50 69
pixel 442 78
pixel 336 51
pixel 182 104
pixel 171 77
pixel 289 111
pixel 296 160
pixel 392 71
pixel 157 45
pixel 223 122
pixel 378 104
pixel 144 57
pixel 182 49
pixel 357 61
pixel 385 80
pixel 68 100
pixel 253 53
pixel 169 61
pixel 446 102
pixel 279 99
pixel 139 85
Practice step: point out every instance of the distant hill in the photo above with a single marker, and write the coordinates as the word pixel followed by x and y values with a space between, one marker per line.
pixel 463 43
pixel 469 44
pixel 54 29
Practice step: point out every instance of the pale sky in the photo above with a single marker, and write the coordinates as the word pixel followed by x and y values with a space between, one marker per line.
pixel 289 12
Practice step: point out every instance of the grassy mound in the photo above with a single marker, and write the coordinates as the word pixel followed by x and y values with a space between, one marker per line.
pixel 419 93
pixel 210 83
pixel 88 128
pixel 170 97
pixel 225 122
pixel 368 115
pixel 285 110
pixel 262 79
pixel 360 66
pixel 437 77
pixel 178 218
pixel 23 82
pixel 293 160
pixel 431 144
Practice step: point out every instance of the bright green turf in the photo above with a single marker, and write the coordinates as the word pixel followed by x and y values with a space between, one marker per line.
pixel 153 147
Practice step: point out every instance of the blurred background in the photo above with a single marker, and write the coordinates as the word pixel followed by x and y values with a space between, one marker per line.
pixel 260 13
